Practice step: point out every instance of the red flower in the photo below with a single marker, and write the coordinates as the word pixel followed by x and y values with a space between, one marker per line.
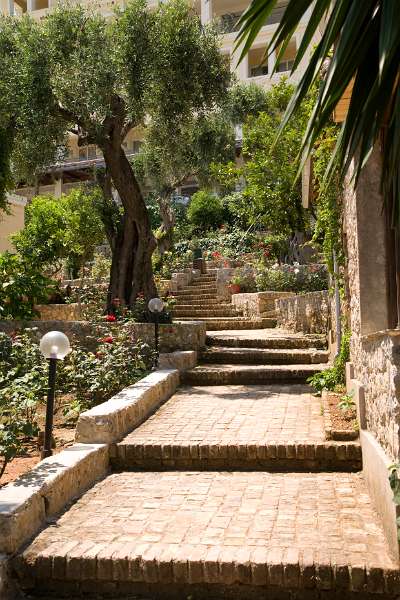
pixel 111 318
pixel 108 340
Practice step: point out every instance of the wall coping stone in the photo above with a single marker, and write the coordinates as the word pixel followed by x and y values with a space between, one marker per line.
pixel 376 335
pixel 110 421
pixel 180 359
pixel 42 492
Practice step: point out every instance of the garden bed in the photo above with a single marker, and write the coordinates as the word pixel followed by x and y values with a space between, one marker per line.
pixel 340 423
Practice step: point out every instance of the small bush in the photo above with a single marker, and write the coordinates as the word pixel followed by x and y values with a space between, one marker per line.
pixel 205 211
pixel 22 285
pixel 334 378
pixel 292 278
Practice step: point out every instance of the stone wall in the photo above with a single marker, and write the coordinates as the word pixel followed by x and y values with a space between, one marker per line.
pixel 60 312
pixel 377 368
pixel 309 313
pixel 190 335
pixel 258 304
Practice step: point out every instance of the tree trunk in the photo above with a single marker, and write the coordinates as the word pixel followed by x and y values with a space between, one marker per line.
pixel 168 222
pixel 131 270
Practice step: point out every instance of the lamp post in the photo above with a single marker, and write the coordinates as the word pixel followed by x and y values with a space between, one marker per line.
pixel 54 346
pixel 156 306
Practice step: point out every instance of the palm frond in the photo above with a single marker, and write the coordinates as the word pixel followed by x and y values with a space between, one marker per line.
pixel 362 40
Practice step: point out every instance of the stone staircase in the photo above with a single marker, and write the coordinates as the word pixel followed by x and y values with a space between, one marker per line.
pixel 232 361
pixel 199 301
pixel 230 490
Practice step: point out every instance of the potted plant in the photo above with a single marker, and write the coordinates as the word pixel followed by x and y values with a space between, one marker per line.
pixel 235 284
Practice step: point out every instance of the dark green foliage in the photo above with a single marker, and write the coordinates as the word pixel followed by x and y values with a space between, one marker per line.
pixel 362 41
pixel 22 285
pixel 205 211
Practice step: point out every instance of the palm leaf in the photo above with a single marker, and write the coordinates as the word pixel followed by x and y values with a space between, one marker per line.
pixel 363 39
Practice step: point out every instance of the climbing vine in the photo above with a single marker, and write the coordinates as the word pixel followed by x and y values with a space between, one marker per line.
pixel 394 480
pixel 328 199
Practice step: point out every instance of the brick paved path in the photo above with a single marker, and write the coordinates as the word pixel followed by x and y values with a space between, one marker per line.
pixel 221 504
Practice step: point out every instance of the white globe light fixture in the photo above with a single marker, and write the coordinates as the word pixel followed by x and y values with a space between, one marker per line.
pixel 156 306
pixel 54 346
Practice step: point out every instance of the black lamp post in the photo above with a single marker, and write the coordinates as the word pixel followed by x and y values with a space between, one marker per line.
pixel 54 346
pixel 156 306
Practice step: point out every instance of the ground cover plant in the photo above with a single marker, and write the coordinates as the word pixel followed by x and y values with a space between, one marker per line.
pixel 85 378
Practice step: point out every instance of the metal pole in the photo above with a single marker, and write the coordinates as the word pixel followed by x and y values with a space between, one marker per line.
pixel 337 304
pixel 156 344
pixel 48 432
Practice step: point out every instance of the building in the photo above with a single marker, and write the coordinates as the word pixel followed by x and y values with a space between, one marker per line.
pixel 11 222
pixel 79 164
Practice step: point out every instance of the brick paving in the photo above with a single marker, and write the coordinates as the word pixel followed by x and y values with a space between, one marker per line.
pixel 235 414
pixel 292 530
pixel 235 427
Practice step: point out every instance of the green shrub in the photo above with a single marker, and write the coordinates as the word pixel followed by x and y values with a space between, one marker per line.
pixel 22 285
pixel 292 278
pixel 205 211
pixel 334 378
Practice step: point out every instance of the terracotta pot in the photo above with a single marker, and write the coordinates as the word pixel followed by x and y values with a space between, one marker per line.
pixel 234 288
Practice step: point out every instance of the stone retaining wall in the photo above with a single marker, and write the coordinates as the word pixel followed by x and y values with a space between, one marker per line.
pixel 188 335
pixel 308 313
pixel 60 312
pixel 376 364
pixel 258 304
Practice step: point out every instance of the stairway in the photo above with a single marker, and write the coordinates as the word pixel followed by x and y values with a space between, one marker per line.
pixel 230 490
pixel 199 301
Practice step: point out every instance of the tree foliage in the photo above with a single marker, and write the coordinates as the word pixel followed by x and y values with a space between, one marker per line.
pixel 362 42
pixel 271 195
pixel 65 228
pixel 77 72
pixel 205 211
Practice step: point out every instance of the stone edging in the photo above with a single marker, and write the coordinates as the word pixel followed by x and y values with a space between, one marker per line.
pixel 111 421
pixel 331 433
pixel 41 493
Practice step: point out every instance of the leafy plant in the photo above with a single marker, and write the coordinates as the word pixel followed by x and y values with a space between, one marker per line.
pixel 292 278
pixel 361 41
pixel 205 211
pixel 335 377
pixel 22 285
pixel 347 402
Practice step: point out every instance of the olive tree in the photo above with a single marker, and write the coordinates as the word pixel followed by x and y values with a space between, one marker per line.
pixel 76 72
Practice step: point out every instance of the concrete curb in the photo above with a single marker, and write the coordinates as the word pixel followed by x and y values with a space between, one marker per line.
pixel 111 421
pixel 43 492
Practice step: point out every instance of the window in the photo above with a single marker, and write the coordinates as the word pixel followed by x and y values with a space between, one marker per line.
pixel 287 60
pixel 258 62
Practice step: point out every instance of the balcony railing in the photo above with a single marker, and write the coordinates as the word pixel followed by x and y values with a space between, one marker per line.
pixel 229 22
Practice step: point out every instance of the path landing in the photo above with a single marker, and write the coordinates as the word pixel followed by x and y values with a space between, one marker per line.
pixel 226 492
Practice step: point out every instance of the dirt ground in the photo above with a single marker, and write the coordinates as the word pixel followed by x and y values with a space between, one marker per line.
pixel 342 420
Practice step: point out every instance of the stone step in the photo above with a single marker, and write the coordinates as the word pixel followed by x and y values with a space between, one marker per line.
pixel 235 323
pixel 199 283
pixel 250 374
pixel 184 302
pixel 205 535
pixel 206 288
pixel 180 295
pixel 205 312
pixel 274 428
pixel 260 356
pixel 274 341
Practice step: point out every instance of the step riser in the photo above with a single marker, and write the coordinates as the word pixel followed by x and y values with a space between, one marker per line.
pixel 244 379
pixel 270 344
pixel 273 458
pixel 220 325
pixel 195 297
pixel 222 312
pixel 194 303
pixel 247 358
